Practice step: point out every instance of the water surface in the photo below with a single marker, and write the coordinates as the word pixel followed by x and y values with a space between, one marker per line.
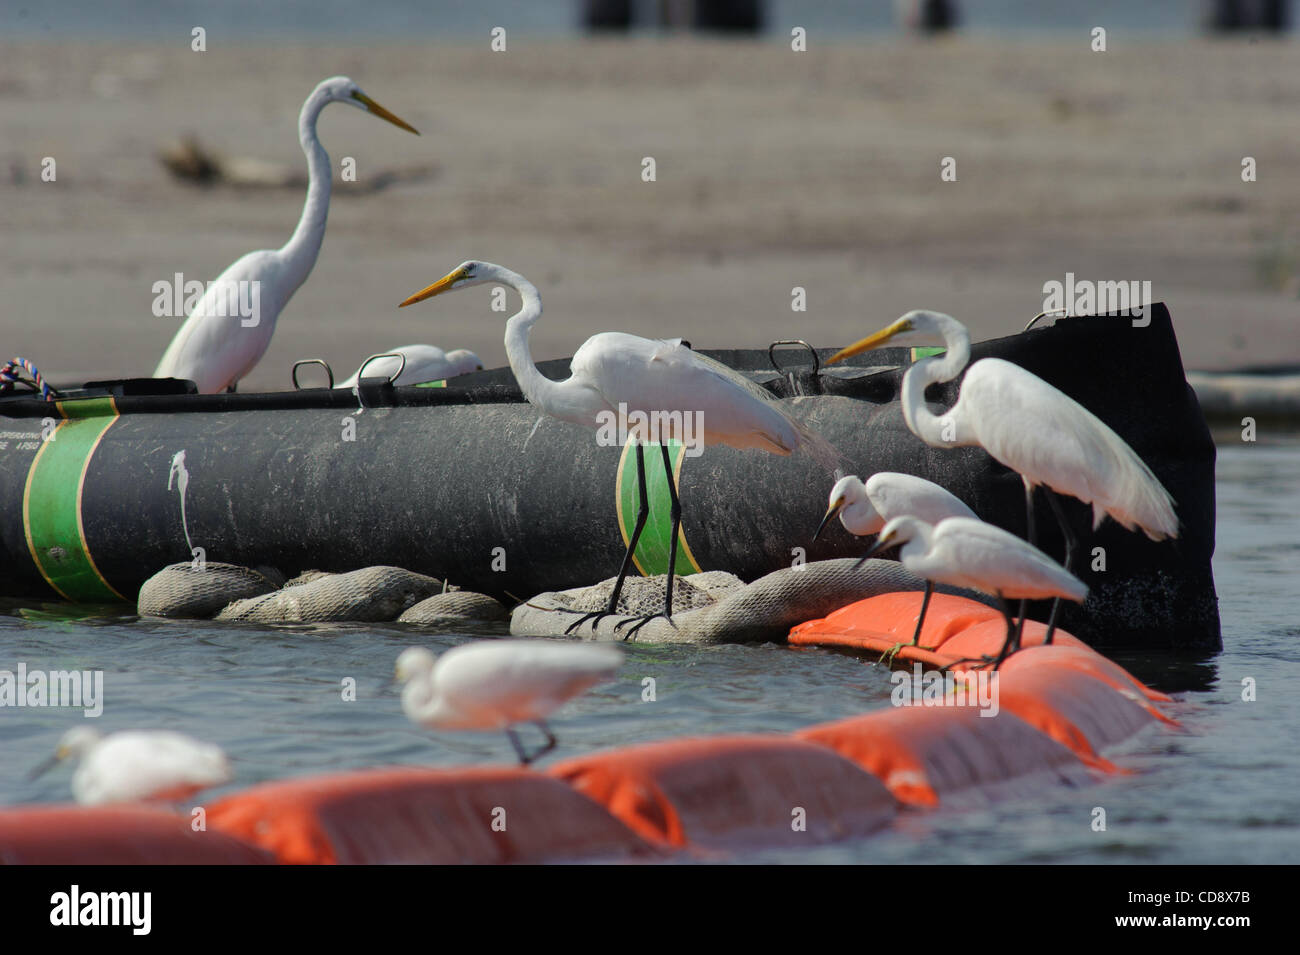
pixel 1225 790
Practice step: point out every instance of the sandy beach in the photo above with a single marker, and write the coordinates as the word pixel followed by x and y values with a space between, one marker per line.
pixel 775 169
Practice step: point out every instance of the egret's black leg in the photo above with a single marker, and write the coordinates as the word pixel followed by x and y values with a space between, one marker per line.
pixel 1030 531
pixel 551 741
pixel 925 605
pixel 642 513
pixel 672 552
pixel 1030 535
pixel 524 758
pixel 1012 643
pixel 1009 646
pixel 676 513
pixel 1071 542
pixel 920 620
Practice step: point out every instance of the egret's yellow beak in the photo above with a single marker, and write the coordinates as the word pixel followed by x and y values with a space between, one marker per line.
pixel 382 113
pixel 831 511
pixel 437 288
pixel 871 341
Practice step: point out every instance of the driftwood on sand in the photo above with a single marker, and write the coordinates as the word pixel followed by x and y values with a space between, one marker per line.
pixel 190 161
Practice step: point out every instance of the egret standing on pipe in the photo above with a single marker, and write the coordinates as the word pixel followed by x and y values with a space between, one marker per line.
pixel 966 552
pixel 1032 428
pixel 494 684
pixel 423 363
pixel 624 376
pixel 864 509
pixel 215 348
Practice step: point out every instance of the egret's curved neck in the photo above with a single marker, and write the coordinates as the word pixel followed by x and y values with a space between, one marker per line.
pixel 537 388
pixel 860 516
pixel 938 431
pixel 304 245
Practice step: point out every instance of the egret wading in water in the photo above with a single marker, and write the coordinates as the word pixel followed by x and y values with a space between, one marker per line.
pixel 623 377
pixel 217 345
pixel 865 508
pixel 495 684
pixel 967 552
pixel 423 363
pixel 138 766
pixel 1032 428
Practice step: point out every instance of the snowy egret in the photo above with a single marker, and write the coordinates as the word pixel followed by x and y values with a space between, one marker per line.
pixel 631 380
pixel 423 363
pixel 494 684
pixel 230 327
pixel 139 765
pixel 966 552
pixel 864 509
pixel 1032 428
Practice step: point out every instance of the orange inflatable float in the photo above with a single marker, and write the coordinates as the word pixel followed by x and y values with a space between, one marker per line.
pixel 723 791
pixel 394 816
pixel 116 835
pixel 931 754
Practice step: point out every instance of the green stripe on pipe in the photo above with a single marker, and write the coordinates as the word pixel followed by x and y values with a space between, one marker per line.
pixel 56 538
pixel 651 555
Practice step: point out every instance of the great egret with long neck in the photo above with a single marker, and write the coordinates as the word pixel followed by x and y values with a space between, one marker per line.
pixel 230 327
pixel 865 508
pixel 138 765
pixel 1032 428
pixel 966 552
pixel 637 380
pixel 496 684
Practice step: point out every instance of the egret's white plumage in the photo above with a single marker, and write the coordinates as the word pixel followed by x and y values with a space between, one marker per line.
pixel 641 374
pixel 423 363
pixel 1028 425
pixel 216 349
pixel 140 765
pixel 623 378
pixel 495 684
pixel 967 552
pixel 864 508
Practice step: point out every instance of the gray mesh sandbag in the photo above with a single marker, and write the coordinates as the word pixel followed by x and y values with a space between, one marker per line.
pixel 180 590
pixel 373 594
pixel 762 611
pixel 454 605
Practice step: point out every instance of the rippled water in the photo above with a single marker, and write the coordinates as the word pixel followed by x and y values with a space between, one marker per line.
pixel 1225 790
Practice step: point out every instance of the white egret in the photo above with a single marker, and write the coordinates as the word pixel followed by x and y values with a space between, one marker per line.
pixel 1032 428
pixel 137 766
pixel 966 552
pixel 651 388
pixel 423 363
pixel 495 684
pixel 230 327
pixel 864 509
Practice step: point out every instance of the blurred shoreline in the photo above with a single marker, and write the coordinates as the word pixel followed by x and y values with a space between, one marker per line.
pixel 295 20
pixel 774 170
